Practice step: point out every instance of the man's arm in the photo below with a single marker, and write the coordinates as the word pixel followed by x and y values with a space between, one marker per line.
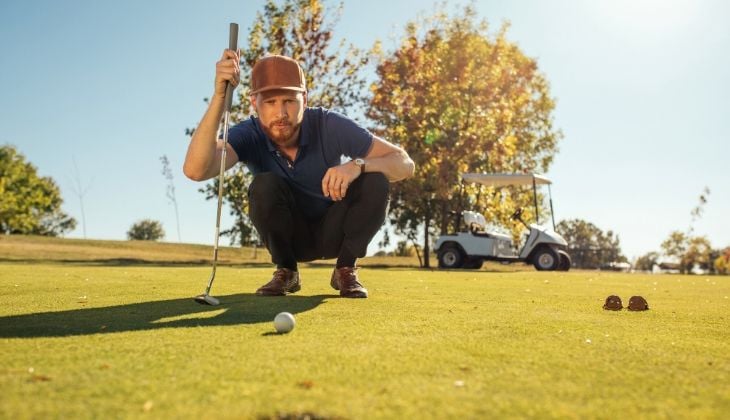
pixel 389 159
pixel 383 157
pixel 204 152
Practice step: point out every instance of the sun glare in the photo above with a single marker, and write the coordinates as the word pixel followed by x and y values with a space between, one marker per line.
pixel 648 15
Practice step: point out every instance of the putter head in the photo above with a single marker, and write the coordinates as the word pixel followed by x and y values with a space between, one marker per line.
pixel 205 299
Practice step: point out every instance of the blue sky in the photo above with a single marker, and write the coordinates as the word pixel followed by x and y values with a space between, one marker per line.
pixel 642 90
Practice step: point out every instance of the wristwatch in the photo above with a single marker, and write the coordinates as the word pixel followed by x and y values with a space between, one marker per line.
pixel 361 164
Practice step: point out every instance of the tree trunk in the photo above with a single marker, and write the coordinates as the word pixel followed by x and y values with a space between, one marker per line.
pixel 444 217
pixel 426 246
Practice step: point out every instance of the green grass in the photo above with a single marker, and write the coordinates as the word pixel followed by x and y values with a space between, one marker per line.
pixel 95 341
pixel 26 248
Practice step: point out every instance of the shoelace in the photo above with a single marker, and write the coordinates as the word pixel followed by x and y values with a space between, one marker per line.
pixel 279 277
pixel 350 278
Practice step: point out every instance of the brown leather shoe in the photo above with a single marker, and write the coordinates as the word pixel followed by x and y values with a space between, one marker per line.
pixel 345 280
pixel 285 281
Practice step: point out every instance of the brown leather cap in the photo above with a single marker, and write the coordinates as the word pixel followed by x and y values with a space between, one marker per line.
pixel 613 303
pixel 638 303
pixel 277 72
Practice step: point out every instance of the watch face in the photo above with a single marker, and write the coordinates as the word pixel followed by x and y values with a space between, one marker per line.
pixel 359 162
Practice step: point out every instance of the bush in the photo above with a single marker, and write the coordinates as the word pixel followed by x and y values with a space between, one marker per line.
pixel 29 204
pixel 146 230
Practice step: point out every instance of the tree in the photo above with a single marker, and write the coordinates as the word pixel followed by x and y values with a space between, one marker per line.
pixel 303 30
pixel 30 204
pixel 170 192
pixel 687 249
pixel 589 246
pixel 675 245
pixel 699 251
pixel 403 249
pixel 459 100
pixel 80 191
pixel 146 230
pixel 722 262
pixel 647 261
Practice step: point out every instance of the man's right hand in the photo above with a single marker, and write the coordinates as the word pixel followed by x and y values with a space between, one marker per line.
pixel 227 70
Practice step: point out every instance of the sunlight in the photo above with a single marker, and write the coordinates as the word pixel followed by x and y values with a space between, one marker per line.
pixel 198 315
pixel 648 16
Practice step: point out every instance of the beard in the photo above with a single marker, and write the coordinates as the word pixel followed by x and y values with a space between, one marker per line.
pixel 281 132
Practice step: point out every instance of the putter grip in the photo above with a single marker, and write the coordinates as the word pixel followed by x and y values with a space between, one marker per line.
pixel 232 45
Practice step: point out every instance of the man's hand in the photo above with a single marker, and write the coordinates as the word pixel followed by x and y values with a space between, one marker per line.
pixel 338 179
pixel 227 70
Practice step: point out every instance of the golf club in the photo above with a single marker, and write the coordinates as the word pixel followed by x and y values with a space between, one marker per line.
pixel 206 298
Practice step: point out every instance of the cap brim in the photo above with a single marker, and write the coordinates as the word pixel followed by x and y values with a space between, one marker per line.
pixel 268 88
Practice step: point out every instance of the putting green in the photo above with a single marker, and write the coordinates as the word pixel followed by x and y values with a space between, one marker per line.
pixel 128 341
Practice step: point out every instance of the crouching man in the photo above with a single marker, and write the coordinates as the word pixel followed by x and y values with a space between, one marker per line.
pixel 304 203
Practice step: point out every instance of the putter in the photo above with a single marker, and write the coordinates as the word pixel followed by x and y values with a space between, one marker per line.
pixel 206 298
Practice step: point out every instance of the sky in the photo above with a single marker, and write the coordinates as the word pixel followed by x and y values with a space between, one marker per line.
pixel 98 91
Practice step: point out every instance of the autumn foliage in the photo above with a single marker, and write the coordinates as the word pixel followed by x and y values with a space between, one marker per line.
pixel 461 100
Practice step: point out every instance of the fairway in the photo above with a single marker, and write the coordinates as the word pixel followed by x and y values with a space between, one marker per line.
pixel 83 341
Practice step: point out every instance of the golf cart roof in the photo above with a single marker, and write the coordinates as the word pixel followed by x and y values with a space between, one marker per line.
pixel 501 180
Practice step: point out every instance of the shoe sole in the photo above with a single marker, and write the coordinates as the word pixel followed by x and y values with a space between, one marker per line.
pixel 363 294
pixel 355 294
pixel 286 292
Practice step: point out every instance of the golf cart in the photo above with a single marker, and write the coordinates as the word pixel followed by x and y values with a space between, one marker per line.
pixel 543 247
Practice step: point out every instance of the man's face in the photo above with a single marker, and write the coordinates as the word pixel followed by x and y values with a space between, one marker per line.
pixel 281 113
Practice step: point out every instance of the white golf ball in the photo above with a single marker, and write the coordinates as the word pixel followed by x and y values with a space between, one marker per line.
pixel 284 322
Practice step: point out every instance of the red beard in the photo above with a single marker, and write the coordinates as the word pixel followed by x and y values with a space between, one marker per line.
pixel 280 132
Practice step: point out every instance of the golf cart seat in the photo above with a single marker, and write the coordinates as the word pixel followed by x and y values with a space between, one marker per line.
pixel 476 222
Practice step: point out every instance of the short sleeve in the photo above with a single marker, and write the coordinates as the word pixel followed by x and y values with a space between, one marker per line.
pixel 352 139
pixel 242 138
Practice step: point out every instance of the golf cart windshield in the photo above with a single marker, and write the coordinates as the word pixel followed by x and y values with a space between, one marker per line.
pixel 504 180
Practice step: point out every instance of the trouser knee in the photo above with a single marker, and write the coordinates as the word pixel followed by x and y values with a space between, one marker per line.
pixel 374 186
pixel 266 191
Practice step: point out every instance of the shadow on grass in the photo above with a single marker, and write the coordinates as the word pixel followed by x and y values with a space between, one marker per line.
pixel 235 309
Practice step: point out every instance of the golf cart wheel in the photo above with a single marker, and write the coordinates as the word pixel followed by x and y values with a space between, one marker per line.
pixel 546 259
pixel 450 257
pixel 565 261
pixel 473 263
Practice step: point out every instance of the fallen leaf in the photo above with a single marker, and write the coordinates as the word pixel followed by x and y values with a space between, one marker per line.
pixel 148 406
pixel 40 378
pixel 305 384
pixel 458 384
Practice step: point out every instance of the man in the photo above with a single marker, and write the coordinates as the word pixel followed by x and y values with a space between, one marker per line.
pixel 304 202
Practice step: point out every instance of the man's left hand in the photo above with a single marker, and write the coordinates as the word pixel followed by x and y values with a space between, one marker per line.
pixel 338 179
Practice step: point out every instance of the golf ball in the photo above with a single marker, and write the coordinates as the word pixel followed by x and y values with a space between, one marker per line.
pixel 284 322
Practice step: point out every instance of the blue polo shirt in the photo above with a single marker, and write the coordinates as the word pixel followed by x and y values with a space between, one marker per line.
pixel 325 137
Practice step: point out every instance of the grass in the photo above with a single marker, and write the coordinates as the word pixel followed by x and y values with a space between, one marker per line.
pixel 96 341
pixel 21 248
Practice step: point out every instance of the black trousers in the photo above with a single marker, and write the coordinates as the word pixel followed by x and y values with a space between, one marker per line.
pixel 290 237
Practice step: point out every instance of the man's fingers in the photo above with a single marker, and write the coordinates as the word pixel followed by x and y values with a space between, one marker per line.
pixel 325 183
pixel 335 183
pixel 332 186
pixel 230 54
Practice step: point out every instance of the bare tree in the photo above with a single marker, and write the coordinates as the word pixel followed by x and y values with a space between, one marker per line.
pixel 170 192
pixel 80 191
